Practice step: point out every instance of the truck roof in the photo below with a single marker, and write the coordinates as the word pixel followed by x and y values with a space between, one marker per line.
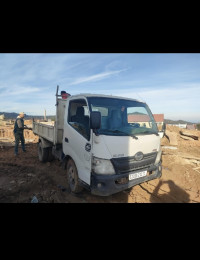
pixel 102 95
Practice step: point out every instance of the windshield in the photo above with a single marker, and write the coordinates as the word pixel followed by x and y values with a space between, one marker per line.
pixel 123 117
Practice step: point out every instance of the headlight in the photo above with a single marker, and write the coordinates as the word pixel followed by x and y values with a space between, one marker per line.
pixel 158 156
pixel 101 166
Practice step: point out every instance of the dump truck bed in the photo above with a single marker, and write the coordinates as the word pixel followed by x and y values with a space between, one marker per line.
pixel 45 130
pixel 52 131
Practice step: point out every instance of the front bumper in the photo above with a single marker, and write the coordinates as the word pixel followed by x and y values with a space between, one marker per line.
pixel 105 185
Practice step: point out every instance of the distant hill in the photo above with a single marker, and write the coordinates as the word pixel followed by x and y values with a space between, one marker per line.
pixel 137 113
pixel 169 121
pixel 14 115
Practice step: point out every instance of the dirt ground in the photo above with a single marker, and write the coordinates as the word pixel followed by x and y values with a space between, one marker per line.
pixel 23 177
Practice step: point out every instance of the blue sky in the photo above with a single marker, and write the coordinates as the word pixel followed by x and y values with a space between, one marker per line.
pixel 168 83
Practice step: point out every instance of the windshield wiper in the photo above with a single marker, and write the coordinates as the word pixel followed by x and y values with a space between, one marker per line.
pixel 118 131
pixel 150 133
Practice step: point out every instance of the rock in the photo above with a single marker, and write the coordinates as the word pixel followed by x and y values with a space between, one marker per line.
pixel 34 200
pixel 186 138
pixel 186 133
pixel 20 182
pixel 169 147
pixel 31 175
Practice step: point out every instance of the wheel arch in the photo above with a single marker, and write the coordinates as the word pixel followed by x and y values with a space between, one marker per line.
pixel 65 161
pixel 45 143
pixel 73 176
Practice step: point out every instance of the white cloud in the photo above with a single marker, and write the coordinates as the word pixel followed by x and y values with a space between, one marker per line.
pixel 96 77
pixel 17 91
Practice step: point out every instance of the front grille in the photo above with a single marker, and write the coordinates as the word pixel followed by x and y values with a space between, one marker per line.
pixel 128 164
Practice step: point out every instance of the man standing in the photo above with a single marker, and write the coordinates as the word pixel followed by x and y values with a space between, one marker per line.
pixel 19 132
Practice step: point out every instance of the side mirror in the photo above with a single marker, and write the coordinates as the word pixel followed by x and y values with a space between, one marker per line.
pixel 163 127
pixel 95 120
pixel 162 132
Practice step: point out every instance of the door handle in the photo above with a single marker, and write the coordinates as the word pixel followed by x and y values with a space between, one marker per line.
pixel 66 140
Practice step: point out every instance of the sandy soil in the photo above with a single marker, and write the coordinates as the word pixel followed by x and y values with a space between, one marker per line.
pixel 24 177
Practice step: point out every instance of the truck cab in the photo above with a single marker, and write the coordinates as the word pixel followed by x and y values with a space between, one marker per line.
pixel 109 143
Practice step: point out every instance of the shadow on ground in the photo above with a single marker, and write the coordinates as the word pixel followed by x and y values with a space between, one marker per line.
pixel 174 195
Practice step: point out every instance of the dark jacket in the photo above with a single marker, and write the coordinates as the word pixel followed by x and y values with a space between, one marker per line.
pixel 19 125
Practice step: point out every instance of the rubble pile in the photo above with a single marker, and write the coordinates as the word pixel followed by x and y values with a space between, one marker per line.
pixel 7 137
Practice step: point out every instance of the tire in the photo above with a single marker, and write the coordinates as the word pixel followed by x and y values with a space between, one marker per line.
pixel 43 153
pixel 50 155
pixel 72 177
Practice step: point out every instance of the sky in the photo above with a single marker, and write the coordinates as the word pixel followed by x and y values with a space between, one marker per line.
pixel 168 82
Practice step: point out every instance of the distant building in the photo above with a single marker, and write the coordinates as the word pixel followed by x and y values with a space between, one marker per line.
pixel 145 119
pixel 159 118
pixel 186 126
pixel 138 118
pixel 179 125
pixel 191 127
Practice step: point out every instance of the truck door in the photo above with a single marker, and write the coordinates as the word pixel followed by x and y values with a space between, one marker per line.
pixel 76 138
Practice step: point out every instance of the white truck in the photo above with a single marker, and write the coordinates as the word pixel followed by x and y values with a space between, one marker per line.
pixel 107 143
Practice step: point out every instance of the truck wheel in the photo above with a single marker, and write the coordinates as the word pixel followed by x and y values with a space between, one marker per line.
pixel 50 155
pixel 42 153
pixel 72 177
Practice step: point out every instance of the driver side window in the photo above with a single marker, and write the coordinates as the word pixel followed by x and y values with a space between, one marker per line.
pixel 78 117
